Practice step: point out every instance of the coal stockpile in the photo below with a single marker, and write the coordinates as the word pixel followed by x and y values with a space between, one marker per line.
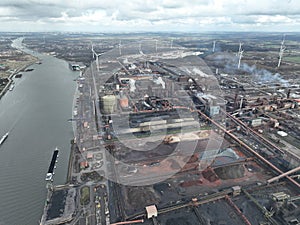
pixel 230 172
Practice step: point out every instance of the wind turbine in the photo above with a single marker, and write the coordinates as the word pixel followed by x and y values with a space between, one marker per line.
pixel 96 56
pixel 214 46
pixel 120 50
pixel 281 51
pixel 140 49
pixel 240 54
pixel 171 43
pixel 156 45
pixel 93 51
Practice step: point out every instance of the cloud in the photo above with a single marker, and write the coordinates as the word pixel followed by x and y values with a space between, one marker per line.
pixel 273 19
pixel 149 15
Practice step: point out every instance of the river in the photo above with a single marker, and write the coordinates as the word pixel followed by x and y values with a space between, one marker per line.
pixel 36 114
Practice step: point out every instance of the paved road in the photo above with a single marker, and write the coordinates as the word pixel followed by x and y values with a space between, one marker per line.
pixel 87 127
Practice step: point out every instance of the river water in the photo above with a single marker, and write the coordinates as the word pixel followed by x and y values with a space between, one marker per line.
pixel 36 114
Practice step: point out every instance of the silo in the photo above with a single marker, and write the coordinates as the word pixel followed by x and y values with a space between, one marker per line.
pixel 108 104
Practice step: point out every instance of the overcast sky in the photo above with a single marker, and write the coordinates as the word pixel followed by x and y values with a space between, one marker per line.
pixel 149 15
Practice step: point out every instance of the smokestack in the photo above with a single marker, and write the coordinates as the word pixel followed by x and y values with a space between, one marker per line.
pixel 241 104
pixel 217 71
pixel 240 55
pixel 281 51
pixel 288 93
pixel 235 99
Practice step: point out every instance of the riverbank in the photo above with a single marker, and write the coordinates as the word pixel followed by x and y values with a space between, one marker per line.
pixel 16 71
pixel 71 160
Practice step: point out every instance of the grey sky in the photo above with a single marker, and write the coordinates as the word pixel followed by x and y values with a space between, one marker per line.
pixel 149 15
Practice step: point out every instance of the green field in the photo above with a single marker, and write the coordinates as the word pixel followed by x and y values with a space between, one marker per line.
pixel 294 59
pixel 85 196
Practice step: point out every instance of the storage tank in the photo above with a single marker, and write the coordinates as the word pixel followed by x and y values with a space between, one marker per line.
pixel 108 104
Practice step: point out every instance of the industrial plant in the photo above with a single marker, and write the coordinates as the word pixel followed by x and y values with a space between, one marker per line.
pixel 167 134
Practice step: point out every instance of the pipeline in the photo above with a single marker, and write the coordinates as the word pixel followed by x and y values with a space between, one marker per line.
pixel 283 175
pixel 128 222
pixel 254 132
pixel 291 154
pixel 249 148
pixel 244 218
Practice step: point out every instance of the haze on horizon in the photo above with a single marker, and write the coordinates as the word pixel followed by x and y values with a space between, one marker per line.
pixel 149 15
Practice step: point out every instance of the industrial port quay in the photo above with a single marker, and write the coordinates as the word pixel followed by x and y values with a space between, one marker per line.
pixel 158 141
